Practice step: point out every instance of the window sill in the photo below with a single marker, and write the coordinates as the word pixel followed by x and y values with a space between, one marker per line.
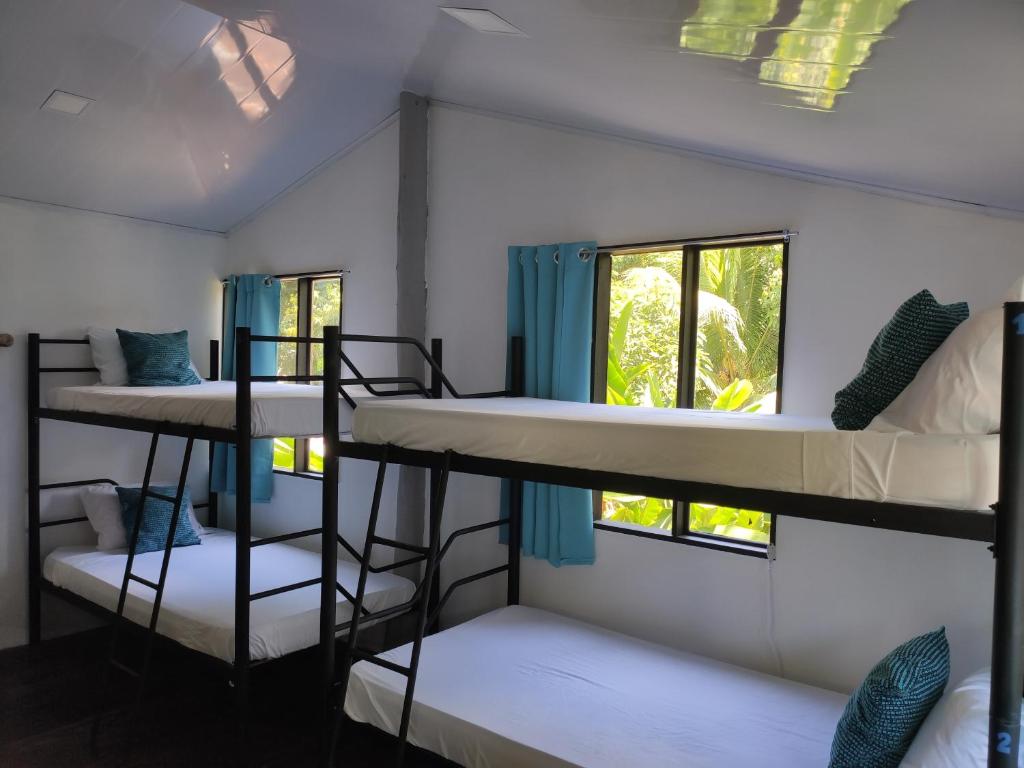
pixel 304 475
pixel 692 539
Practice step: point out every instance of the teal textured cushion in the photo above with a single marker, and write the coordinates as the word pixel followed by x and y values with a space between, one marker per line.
pixel 885 712
pixel 157 359
pixel 917 329
pixel 156 519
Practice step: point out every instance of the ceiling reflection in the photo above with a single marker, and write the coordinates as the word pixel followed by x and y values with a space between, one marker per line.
pixel 809 48
pixel 256 68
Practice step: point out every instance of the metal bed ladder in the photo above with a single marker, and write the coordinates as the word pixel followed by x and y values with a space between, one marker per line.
pixel 420 602
pixel 112 661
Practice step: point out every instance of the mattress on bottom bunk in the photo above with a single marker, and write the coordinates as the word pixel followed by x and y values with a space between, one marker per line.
pixel 766 451
pixel 278 409
pixel 521 686
pixel 198 604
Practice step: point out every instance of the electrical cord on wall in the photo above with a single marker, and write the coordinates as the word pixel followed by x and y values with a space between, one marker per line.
pixel 770 603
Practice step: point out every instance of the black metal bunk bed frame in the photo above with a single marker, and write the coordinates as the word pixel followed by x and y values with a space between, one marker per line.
pixel 1004 529
pixel 238 671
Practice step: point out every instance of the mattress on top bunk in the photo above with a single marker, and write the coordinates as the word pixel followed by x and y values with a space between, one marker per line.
pixel 766 451
pixel 521 686
pixel 198 604
pixel 278 409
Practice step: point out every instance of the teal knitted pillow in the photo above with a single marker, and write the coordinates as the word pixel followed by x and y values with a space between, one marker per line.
pixel 157 359
pixel 917 329
pixel 884 713
pixel 156 519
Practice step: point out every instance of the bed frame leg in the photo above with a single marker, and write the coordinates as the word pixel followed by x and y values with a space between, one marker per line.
pixel 1008 620
pixel 243 531
pixel 329 532
pixel 35 621
pixel 515 495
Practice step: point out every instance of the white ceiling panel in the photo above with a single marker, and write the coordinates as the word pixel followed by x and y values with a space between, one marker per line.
pixel 204 112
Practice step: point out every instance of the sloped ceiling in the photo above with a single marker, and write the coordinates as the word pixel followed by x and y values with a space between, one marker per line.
pixel 204 112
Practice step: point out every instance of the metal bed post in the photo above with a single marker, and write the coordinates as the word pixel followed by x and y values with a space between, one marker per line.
pixel 243 523
pixel 1008 620
pixel 515 495
pixel 212 500
pixel 437 352
pixel 34 590
pixel 329 524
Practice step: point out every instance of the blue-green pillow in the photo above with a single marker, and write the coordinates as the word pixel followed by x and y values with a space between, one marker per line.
pixel 156 520
pixel 157 359
pixel 899 350
pixel 884 713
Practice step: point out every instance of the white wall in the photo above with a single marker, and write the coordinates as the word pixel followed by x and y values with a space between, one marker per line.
pixel 345 216
pixel 843 596
pixel 61 271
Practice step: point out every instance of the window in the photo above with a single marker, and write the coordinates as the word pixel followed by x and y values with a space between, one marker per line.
pixel 308 302
pixel 694 326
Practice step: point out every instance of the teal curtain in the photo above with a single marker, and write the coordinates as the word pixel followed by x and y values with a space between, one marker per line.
pixel 253 301
pixel 551 305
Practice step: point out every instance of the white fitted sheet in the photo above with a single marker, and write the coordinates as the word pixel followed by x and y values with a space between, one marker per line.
pixel 278 409
pixel 521 686
pixel 773 452
pixel 198 604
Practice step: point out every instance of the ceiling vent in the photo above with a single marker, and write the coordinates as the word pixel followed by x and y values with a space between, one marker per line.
pixel 68 103
pixel 483 20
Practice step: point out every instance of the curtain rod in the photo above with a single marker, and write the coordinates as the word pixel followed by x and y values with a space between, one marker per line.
pixel 317 273
pixel 750 237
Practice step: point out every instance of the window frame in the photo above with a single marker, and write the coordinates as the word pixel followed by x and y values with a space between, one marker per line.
pixel 303 358
pixel 686 380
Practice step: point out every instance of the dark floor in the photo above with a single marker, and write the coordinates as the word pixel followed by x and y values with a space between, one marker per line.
pixel 49 695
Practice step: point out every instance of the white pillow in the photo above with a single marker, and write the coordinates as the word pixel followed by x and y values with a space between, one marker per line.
pixel 108 357
pixel 957 390
pixel 955 733
pixel 103 508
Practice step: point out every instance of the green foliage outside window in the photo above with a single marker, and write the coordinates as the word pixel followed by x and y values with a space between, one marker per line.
pixel 736 367
pixel 324 297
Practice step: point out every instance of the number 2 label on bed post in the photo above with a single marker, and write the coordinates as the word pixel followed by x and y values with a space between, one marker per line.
pixel 1003 740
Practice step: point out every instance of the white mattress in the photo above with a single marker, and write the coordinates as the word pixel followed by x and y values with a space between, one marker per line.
pixel 278 410
pixel 198 605
pixel 521 686
pixel 768 451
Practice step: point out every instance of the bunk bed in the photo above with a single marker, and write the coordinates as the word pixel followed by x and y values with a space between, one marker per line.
pixel 523 440
pixel 236 600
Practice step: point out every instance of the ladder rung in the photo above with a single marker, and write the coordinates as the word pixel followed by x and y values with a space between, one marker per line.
pixel 384 613
pixel 364 656
pixel 145 582
pixel 286 537
pixel 285 588
pixel 123 667
pixel 399 545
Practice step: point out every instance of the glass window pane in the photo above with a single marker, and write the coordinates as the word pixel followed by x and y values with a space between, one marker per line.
pixel 288 326
pixel 284 448
pixel 316 454
pixel 738 321
pixel 643 358
pixel 325 310
pixel 284 453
